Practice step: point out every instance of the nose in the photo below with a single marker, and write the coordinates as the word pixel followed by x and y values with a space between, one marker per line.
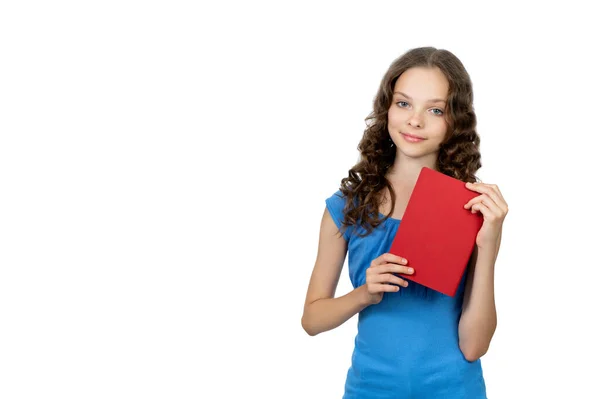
pixel 415 120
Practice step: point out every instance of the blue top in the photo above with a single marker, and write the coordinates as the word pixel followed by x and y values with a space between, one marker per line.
pixel 406 345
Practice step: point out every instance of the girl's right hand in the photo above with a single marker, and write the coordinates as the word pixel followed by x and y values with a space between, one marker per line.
pixel 380 276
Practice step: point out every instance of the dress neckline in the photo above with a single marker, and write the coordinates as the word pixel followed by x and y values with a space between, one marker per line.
pixel 381 215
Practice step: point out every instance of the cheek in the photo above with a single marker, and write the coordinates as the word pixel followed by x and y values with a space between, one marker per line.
pixel 394 117
pixel 440 127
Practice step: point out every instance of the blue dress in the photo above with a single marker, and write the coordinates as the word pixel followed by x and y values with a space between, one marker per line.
pixel 406 345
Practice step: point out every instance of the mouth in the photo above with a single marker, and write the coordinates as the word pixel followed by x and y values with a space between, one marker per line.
pixel 412 136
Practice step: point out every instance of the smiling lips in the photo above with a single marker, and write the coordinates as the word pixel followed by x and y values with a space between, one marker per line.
pixel 412 139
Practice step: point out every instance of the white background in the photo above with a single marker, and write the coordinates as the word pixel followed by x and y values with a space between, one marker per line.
pixel 164 168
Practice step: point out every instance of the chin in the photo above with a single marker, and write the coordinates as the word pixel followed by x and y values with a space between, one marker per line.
pixel 416 152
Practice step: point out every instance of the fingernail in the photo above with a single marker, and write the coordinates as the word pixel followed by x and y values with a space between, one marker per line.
pixel 410 270
pixel 404 261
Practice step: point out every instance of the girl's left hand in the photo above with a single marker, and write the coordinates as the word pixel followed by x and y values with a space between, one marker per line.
pixel 494 209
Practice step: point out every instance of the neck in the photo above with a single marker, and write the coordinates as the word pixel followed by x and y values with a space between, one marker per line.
pixel 405 170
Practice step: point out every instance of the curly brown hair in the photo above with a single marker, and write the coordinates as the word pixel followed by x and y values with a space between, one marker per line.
pixel 458 156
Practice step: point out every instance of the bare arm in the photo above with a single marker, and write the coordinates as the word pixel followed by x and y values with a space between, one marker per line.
pixel 323 312
pixel 478 320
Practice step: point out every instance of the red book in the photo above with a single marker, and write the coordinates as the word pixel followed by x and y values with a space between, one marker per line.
pixel 437 234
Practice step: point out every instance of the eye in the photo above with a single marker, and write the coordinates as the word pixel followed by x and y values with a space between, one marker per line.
pixel 440 113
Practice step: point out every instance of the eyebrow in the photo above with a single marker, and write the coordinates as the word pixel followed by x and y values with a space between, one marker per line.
pixel 434 100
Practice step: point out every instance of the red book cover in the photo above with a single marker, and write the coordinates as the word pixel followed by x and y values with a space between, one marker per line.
pixel 437 234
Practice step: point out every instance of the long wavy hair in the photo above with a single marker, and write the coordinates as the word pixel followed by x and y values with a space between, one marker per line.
pixel 458 157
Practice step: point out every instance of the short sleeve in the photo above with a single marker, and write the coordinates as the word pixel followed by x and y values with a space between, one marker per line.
pixel 335 205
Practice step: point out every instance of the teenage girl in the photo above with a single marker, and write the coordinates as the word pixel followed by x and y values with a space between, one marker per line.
pixel 412 342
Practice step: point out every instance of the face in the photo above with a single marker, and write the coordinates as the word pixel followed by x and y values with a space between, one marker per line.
pixel 416 111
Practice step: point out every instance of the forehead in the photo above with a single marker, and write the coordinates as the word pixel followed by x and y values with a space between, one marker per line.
pixel 423 83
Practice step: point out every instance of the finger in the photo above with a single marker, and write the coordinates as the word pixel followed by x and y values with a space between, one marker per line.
pixel 395 268
pixel 479 199
pixel 385 288
pixel 502 204
pixel 388 278
pixel 497 190
pixel 487 201
pixel 391 258
pixel 473 201
pixel 492 206
pixel 494 209
pixel 486 189
pixel 485 211
pixel 494 195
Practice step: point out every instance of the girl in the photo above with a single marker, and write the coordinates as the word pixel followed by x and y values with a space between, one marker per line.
pixel 412 342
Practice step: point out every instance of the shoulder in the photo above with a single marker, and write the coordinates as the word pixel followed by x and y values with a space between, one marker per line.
pixel 335 204
pixel 337 196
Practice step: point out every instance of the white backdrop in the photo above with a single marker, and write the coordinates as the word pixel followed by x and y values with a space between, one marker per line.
pixel 164 169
